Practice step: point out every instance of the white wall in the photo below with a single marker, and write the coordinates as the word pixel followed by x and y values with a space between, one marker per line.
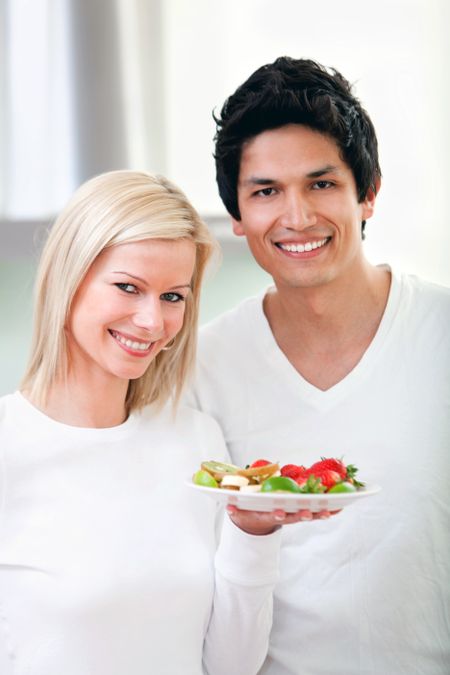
pixel 397 54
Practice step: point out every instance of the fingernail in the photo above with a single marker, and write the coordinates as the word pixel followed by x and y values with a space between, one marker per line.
pixel 306 515
pixel 279 515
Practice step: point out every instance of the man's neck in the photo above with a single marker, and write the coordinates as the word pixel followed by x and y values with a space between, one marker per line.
pixel 324 331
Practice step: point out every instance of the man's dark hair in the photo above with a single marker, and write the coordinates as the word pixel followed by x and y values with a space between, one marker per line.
pixel 295 91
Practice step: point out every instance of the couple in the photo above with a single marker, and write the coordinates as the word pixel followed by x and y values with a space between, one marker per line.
pixel 108 565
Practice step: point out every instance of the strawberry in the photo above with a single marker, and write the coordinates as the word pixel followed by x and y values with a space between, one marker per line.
pixel 331 464
pixel 302 475
pixel 351 473
pixel 327 477
pixel 311 485
pixel 259 462
pixel 297 473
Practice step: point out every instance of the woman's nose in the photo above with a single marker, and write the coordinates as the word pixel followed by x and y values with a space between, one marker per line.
pixel 150 317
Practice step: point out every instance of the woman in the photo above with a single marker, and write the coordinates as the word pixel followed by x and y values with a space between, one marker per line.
pixel 108 564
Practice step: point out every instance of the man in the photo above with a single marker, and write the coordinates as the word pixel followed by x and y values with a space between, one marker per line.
pixel 339 358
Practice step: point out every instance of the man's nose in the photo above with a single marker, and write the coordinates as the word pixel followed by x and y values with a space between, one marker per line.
pixel 298 211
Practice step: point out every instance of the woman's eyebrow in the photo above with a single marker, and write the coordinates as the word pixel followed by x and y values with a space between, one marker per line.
pixel 133 276
pixel 128 274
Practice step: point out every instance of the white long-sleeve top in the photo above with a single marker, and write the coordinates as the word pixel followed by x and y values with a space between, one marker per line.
pixel 366 592
pixel 109 564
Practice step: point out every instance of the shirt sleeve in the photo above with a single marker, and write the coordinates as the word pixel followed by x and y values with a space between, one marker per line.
pixel 189 395
pixel 246 570
pixel 6 664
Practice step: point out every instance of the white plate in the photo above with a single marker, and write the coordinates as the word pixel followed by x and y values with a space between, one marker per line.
pixel 260 501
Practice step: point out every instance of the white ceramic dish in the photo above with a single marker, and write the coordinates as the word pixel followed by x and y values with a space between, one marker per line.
pixel 258 501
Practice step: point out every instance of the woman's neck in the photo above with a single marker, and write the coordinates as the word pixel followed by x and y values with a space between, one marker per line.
pixel 95 406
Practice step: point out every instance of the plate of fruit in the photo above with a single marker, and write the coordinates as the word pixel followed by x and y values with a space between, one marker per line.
pixel 326 485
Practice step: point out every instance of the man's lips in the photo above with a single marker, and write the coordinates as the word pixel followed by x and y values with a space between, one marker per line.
pixel 297 247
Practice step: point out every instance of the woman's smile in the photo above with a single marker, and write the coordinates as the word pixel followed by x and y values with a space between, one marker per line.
pixel 130 344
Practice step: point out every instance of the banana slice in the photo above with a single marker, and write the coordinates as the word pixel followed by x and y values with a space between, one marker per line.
pixel 251 488
pixel 236 482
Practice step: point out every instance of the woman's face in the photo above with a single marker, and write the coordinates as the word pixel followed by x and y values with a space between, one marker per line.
pixel 128 307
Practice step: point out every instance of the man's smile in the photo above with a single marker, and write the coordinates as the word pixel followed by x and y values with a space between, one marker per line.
pixel 301 248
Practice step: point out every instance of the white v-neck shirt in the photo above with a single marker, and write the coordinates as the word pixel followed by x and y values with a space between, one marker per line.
pixel 367 592
pixel 109 563
pixel 318 399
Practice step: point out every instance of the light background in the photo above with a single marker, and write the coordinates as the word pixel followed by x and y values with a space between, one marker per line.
pixel 396 53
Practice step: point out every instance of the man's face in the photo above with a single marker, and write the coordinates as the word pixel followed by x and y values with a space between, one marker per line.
pixel 299 207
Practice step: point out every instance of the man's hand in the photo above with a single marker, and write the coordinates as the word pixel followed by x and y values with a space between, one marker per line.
pixel 261 522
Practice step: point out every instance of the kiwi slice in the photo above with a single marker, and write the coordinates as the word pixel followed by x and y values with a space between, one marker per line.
pixel 220 469
pixel 257 471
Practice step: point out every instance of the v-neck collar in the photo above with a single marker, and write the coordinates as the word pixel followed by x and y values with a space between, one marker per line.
pixel 316 397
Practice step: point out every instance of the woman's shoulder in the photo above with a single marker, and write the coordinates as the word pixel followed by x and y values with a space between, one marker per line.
pixel 9 405
pixel 195 426
pixel 181 416
pixel 197 419
pixel 207 433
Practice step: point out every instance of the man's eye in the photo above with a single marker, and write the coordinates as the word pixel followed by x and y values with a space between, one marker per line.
pixel 173 297
pixel 266 192
pixel 322 185
pixel 127 288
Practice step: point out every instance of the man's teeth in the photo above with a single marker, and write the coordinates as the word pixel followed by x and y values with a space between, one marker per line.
pixel 301 248
pixel 142 346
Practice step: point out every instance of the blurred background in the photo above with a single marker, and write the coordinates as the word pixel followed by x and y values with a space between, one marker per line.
pixel 92 85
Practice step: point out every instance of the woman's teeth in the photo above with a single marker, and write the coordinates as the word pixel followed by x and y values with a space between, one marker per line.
pixel 131 344
pixel 301 248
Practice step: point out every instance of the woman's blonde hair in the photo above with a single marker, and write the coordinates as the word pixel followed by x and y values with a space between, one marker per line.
pixel 114 208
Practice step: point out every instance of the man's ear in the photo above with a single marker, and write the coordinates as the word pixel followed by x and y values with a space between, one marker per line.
pixel 237 227
pixel 371 196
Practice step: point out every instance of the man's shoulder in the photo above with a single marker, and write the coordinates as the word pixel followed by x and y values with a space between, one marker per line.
pixel 424 310
pixel 428 293
pixel 234 322
pixel 426 286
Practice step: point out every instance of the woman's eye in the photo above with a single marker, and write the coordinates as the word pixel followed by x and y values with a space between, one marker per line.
pixel 172 297
pixel 127 288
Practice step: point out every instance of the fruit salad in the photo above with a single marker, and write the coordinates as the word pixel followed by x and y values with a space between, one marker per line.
pixel 328 475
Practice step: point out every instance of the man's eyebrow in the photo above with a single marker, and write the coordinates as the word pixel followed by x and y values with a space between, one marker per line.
pixel 255 180
pixel 260 180
pixel 324 170
pixel 133 276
